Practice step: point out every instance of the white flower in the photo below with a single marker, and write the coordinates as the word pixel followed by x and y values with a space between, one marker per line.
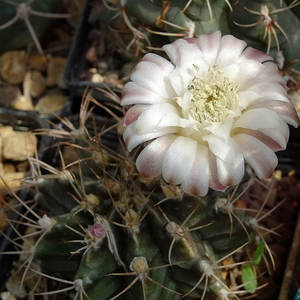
pixel 216 105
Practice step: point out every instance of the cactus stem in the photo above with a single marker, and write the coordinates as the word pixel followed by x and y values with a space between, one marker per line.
pixel 23 12
pixel 269 24
pixel 139 267
pixel 76 285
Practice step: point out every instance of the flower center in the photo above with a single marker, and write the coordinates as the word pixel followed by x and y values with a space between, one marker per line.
pixel 211 99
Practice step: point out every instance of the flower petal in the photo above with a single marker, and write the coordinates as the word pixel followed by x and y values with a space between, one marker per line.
pixel 184 54
pixel 230 49
pixel 284 109
pixel 209 45
pixel 133 93
pixel 179 160
pixel 134 138
pixel 150 160
pixel 254 54
pixel 153 76
pixel 197 181
pixel 133 113
pixel 260 157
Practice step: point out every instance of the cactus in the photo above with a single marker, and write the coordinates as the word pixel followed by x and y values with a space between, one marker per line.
pixel 26 21
pixel 109 234
pixel 105 232
pixel 133 28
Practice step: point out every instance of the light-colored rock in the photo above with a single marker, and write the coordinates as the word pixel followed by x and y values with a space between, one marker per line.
pixel 55 69
pixel 37 83
pixel 51 103
pixel 11 180
pixel 19 145
pixel 13 66
pixel 6 131
pixel 23 103
pixel 38 61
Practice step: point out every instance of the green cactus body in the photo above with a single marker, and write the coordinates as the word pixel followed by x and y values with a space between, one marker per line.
pixel 17 35
pixel 132 248
pixel 270 26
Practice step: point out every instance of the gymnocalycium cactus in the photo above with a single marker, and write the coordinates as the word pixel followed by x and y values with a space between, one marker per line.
pixel 111 234
pixel 133 28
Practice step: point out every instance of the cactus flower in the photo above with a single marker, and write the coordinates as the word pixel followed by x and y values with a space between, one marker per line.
pixel 214 106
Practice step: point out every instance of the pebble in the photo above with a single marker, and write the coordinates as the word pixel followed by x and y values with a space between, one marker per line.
pixel 55 69
pixel 13 66
pixel 50 104
pixel 19 145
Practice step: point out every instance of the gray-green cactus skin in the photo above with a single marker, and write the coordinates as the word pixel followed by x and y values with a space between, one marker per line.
pixel 121 238
pixel 268 25
pixel 17 35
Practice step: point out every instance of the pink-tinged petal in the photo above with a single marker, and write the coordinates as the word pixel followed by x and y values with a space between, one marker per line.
pixel 150 160
pixel 209 45
pixel 260 157
pixel 230 49
pixel 214 181
pixel 165 66
pixel 258 118
pixel 135 94
pixel 275 139
pixel 133 113
pixel 157 116
pixel 254 54
pixel 134 138
pixel 285 110
pixel 197 181
pixel 270 74
pixel 183 54
pixel 230 173
pixel 223 149
pixel 152 77
pixel 270 90
pixel 179 159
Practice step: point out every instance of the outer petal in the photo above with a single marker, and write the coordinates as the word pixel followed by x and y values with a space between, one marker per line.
pixel 230 49
pixel 222 148
pixel 261 158
pixel 230 173
pixel 149 162
pixel 284 109
pixel 158 116
pixel 135 94
pixel 184 54
pixel 133 138
pixel 258 118
pixel 179 159
pixel 133 113
pixel 197 181
pixel 151 76
pixel 209 45
pixel 254 54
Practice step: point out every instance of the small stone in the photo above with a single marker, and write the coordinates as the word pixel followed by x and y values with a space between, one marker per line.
pixel 6 131
pixel 55 69
pixel 23 103
pixel 51 103
pixel 13 66
pixel 38 61
pixel 19 145
pixel 9 168
pixel 37 83
pixel 11 180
